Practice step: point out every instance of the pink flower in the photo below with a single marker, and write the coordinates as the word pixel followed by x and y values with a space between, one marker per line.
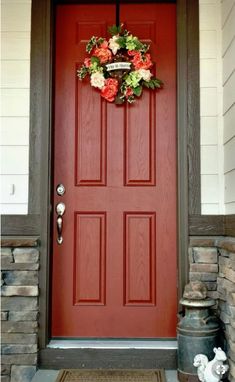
pixel 103 54
pixel 132 52
pixel 110 89
pixel 142 61
pixel 87 62
pixel 128 92
pixel 104 44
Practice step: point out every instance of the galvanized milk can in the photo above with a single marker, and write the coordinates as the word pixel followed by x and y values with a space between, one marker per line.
pixel 198 332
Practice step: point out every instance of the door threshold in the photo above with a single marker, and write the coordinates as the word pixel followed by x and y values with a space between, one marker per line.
pixel 112 344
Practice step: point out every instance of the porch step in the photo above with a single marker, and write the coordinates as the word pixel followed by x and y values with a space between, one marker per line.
pixel 108 358
pixel 51 375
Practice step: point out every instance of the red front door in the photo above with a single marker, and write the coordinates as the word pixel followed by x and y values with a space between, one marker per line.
pixel 114 275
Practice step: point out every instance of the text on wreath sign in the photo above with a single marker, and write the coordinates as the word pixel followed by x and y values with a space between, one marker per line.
pixel 118 65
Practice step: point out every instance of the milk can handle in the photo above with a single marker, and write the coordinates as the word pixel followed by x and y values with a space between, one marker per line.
pixel 208 318
pixel 180 314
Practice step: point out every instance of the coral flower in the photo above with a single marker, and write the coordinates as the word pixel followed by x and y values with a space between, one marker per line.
pixel 103 54
pixel 110 89
pixel 142 62
pixel 132 52
pixel 104 44
pixel 87 62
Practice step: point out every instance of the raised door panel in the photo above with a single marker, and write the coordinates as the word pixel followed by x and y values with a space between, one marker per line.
pixel 140 262
pixel 89 258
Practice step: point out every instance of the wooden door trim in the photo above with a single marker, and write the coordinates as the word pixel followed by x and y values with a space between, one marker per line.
pixel 182 115
pixel 42 37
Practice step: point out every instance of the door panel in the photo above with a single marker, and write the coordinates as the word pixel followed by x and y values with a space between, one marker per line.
pixel 114 275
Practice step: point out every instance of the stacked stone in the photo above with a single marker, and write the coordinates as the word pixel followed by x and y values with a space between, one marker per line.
pixel 203 260
pixel 226 290
pixel 19 310
pixel 212 260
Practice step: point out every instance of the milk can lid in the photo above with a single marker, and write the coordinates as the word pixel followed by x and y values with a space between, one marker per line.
pixel 207 303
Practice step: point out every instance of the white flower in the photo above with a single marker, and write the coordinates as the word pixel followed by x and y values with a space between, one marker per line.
pixel 145 74
pixel 97 80
pixel 113 44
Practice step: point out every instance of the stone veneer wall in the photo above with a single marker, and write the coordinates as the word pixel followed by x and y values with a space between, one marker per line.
pixel 19 309
pixel 212 260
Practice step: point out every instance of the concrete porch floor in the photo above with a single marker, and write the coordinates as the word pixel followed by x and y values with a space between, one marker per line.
pixel 51 375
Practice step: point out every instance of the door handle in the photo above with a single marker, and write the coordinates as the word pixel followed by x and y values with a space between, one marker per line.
pixel 60 210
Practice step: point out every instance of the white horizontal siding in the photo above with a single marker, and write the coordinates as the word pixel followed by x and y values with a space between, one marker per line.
pixel 15 131
pixel 16 1
pixel 230 208
pixel 209 160
pixel 207 13
pixel 208 72
pixel 228 62
pixel 228 33
pixel 230 187
pixel 210 209
pixel 14 160
pixel 15 73
pixel 211 107
pixel 229 122
pixel 228 29
pixel 13 189
pixel 15 102
pixel 14 208
pixel 210 188
pixel 209 102
pixel 16 16
pixel 15 46
pixel 226 9
pixel 15 84
pixel 209 131
pixel 207 1
pixel 229 155
pixel 229 93
pixel 208 44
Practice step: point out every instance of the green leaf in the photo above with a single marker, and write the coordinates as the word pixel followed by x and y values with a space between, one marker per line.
pixel 100 40
pixel 145 48
pixel 146 84
pixel 153 83
pixel 138 44
pixel 114 30
pixel 138 91
pixel 95 60
pixel 125 33
pixel 91 43
pixel 156 82
pixel 122 41
pixel 82 72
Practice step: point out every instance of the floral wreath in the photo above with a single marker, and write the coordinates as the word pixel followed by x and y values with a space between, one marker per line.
pixel 119 67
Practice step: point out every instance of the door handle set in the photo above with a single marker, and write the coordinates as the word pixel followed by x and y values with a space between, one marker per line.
pixel 60 210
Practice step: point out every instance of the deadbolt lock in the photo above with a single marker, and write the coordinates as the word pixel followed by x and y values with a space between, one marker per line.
pixel 60 189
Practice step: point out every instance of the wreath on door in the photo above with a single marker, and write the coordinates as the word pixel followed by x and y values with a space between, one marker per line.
pixel 119 67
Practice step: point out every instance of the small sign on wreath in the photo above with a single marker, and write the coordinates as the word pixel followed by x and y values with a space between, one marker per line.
pixel 119 67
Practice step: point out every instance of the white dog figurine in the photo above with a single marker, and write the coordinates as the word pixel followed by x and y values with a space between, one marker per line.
pixel 211 371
